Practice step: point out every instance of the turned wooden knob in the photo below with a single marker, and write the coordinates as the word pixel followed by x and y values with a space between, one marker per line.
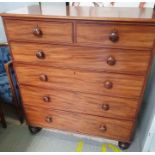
pixel 46 99
pixel 105 107
pixel 43 77
pixel 48 119
pixel 103 128
pixel 114 36
pixel 108 84
pixel 40 54
pixel 37 32
pixel 111 61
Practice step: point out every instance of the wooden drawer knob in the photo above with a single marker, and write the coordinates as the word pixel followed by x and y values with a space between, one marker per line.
pixel 111 61
pixel 40 54
pixel 43 78
pixel 108 84
pixel 114 36
pixel 103 128
pixel 48 119
pixel 105 107
pixel 37 32
pixel 46 99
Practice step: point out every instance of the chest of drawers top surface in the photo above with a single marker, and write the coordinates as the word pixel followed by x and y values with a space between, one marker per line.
pixel 84 13
pixel 82 63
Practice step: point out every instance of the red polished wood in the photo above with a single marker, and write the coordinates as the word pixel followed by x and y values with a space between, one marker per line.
pixel 82 69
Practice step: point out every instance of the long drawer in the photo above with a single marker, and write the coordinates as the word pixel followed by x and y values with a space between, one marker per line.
pixel 86 58
pixel 79 123
pixel 80 102
pixel 115 34
pixel 81 81
pixel 39 31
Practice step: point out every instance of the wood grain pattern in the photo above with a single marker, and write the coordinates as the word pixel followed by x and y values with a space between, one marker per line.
pixel 129 35
pixel 79 102
pixel 86 58
pixel 51 31
pixel 87 82
pixel 84 71
pixel 79 123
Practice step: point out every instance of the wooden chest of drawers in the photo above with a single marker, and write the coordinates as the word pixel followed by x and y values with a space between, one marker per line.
pixel 82 74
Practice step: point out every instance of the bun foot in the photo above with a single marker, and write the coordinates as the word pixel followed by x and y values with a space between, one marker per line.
pixel 21 119
pixel 4 125
pixel 123 145
pixel 34 130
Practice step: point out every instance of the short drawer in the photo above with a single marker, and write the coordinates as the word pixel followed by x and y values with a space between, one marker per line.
pixel 39 31
pixel 85 58
pixel 87 82
pixel 98 105
pixel 116 34
pixel 79 123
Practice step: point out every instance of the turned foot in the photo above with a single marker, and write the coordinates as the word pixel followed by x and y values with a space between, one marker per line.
pixel 3 122
pixel 34 130
pixel 21 119
pixel 123 145
pixel 4 125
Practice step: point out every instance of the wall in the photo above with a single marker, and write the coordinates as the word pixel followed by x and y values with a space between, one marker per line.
pixel 115 4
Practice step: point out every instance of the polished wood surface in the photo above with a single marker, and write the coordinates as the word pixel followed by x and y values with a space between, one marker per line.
pixel 87 82
pixel 84 13
pixel 79 123
pixel 83 58
pixel 50 31
pixel 130 36
pixel 127 35
pixel 87 103
pixel 82 69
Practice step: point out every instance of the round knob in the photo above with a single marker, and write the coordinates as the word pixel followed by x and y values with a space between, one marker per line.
pixel 111 61
pixel 108 84
pixel 37 32
pixel 43 78
pixel 40 54
pixel 114 36
pixel 48 119
pixel 103 128
pixel 46 99
pixel 105 107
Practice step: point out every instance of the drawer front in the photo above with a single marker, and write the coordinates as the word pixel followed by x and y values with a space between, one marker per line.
pixel 116 35
pixel 39 31
pixel 80 102
pixel 86 82
pixel 94 59
pixel 80 123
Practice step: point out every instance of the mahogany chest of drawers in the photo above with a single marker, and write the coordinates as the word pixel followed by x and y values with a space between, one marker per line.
pixel 82 73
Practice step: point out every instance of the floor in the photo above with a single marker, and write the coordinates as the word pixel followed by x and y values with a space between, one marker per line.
pixel 17 138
